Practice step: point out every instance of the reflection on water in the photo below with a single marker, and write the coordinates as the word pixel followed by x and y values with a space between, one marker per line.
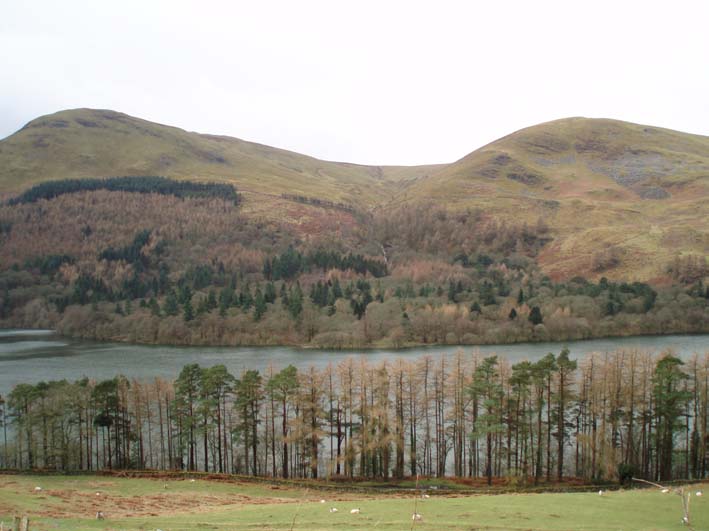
pixel 30 356
pixel 22 346
pixel 34 333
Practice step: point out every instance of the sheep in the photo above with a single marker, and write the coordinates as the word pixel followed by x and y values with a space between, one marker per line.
pixel 425 496
pixel 416 517
pixel 333 509
pixel 354 511
pixel 600 492
pixel 322 501
pixel 700 493
pixel 100 515
pixel 98 494
pixel 38 489
pixel 665 490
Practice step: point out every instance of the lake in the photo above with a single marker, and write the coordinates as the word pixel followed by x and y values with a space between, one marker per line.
pixel 30 356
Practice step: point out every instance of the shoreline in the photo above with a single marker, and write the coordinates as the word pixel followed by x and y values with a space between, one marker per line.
pixel 29 332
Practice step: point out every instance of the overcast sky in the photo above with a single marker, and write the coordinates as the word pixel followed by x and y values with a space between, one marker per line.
pixel 369 82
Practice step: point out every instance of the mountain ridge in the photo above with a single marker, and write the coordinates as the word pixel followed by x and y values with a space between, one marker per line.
pixel 598 183
pixel 174 152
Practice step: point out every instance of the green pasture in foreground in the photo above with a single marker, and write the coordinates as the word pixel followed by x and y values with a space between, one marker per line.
pixel 70 503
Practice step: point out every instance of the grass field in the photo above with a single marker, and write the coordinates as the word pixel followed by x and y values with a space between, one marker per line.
pixel 71 503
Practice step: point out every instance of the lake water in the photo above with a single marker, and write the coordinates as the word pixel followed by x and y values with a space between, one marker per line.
pixel 30 356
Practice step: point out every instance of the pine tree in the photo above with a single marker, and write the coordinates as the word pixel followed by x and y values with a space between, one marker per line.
pixel 154 307
pixel 337 290
pixel 270 293
pixel 171 305
pixel 246 300
pixel 187 390
pixel 226 299
pixel 565 371
pixel 187 311
pixel 535 316
pixel 259 305
pixel 670 400
pixel 487 294
pixel 487 387
pixel 217 384
pixel 211 300
pixel 249 392
pixel 267 269
pixel 295 301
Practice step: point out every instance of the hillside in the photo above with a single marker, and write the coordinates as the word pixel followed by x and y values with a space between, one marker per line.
pixel 640 193
pixel 97 143
pixel 621 200
pixel 571 229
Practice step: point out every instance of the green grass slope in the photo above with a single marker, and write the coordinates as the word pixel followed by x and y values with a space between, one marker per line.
pixel 67 503
pixel 94 143
pixel 597 183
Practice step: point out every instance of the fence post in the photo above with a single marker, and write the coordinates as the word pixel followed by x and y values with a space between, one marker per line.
pixel 25 524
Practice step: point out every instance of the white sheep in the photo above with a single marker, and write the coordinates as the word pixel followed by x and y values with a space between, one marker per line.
pixel 322 501
pixel 665 490
pixel 416 516
pixel 700 493
pixel 333 509
pixel 38 489
pixel 600 492
pixel 354 511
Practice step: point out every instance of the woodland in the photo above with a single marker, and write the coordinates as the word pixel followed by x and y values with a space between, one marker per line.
pixel 150 260
pixel 605 417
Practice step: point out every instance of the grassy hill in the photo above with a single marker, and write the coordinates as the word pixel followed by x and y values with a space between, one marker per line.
pixel 95 143
pixel 599 184
pixel 621 200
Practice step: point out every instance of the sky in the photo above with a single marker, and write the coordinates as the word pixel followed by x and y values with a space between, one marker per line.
pixel 372 82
